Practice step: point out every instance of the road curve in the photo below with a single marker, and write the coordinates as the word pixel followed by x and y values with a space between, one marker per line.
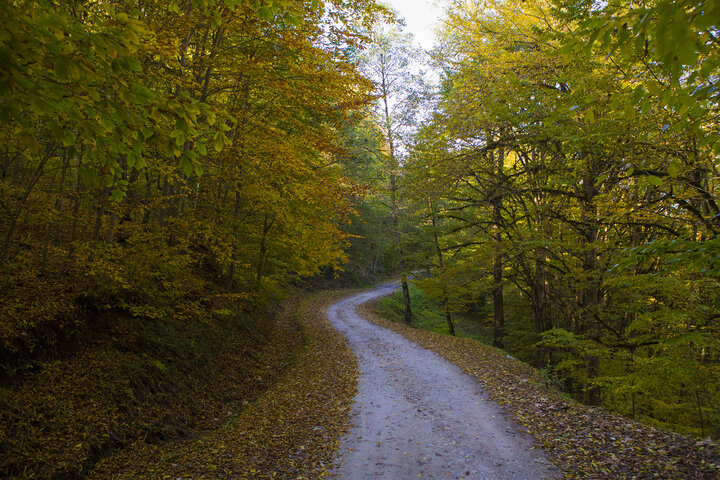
pixel 419 416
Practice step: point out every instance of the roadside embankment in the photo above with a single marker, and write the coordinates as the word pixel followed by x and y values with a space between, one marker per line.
pixel 291 431
pixel 585 442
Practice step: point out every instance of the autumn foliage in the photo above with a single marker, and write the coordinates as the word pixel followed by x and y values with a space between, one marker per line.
pixel 167 169
pixel 566 185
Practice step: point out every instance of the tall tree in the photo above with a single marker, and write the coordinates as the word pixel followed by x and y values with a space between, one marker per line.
pixel 606 202
pixel 146 144
pixel 392 63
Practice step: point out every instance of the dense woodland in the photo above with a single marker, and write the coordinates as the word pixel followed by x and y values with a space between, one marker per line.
pixel 568 176
pixel 168 170
pixel 178 165
pixel 144 141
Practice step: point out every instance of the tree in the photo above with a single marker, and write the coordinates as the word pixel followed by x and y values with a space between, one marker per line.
pixel 598 209
pixel 145 145
pixel 390 64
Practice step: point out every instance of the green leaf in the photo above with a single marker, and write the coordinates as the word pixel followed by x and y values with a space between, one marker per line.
pixel 292 20
pixel 219 141
pixel 655 181
pixel 133 64
pixel 141 91
pixel 704 20
pixel 61 67
pixel 687 55
pixel 89 176
pixel 265 13
pixel 629 111
pixel 673 169
pixel 187 166
pixel 117 194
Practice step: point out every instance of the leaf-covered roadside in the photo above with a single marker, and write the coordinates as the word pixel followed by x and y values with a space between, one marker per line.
pixel 585 442
pixel 139 380
pixel 292 431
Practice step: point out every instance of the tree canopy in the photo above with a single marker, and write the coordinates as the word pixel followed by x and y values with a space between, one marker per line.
pixel 572 160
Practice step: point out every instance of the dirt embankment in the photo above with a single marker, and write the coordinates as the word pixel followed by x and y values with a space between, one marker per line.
pixel 225 395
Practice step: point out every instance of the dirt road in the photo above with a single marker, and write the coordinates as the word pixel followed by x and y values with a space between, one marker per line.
pixel 419 416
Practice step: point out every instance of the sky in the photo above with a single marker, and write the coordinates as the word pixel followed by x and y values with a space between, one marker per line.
pixel 421 17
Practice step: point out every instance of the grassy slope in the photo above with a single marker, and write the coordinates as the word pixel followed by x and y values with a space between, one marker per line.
pixel 585 442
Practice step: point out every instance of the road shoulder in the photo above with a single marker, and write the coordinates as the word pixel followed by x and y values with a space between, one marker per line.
pixel 584 442
pixel 291 432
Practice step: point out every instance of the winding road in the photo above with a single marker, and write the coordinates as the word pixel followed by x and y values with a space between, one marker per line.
pixel 419 416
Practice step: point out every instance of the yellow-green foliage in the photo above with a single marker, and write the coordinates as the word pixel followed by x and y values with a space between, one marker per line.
pixel 571 166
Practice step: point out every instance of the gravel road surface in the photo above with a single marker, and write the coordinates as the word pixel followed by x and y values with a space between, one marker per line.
pixel 419 416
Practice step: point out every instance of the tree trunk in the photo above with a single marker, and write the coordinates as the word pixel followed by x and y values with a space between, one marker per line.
pixel 594 394
pixel 236 227
pixel 7 240
pixel 540 284
pixel 75 215
pixel 239 138
pixel 497 291
pixel 541 307
pixel 438 250
pixel 262 254
pixel 61 201
pixel 406 300
pixel 591 290
pixel 99 212
pixel 394 167
pixel 58 221
pixel 498 304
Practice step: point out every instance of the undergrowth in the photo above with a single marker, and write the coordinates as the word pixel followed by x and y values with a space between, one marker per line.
pixel 428 315
pixel 137 379
pixel 477 325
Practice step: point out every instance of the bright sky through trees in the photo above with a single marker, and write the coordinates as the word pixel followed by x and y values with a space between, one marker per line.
pixel 421 17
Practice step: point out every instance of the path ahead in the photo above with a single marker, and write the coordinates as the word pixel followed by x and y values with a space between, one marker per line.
pixel 419 416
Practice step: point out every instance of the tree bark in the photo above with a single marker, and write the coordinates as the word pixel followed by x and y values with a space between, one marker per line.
pixel 497 291
pixel 394 167
pixel 438 250
pixel 540 282
pixel 262 254
pixel 7 241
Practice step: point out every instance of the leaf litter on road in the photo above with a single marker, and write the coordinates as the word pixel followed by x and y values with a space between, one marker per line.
pixel 584 442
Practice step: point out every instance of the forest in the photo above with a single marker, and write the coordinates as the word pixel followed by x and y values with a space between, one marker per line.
pixel 569 178
pixel 171 171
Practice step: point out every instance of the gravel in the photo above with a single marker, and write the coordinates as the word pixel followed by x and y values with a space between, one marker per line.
pixel 418 416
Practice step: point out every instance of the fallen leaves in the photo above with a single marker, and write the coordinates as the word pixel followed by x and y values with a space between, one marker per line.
pixel 585 442
pixel 291 431
pixel 136 382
